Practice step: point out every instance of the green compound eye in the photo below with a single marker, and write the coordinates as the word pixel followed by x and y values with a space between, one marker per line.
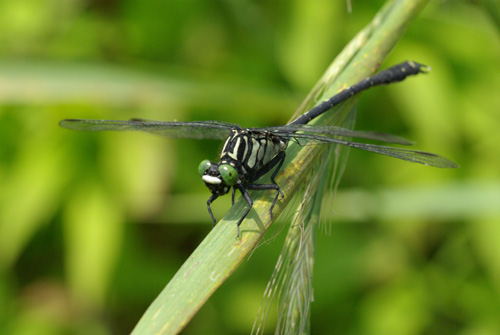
pixel 229 174
pixel 204 166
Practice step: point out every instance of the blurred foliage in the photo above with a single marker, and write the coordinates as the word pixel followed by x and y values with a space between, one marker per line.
pixel 93 225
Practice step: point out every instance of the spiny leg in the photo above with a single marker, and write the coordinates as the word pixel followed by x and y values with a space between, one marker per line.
pixel 278 162
pixel 249 200
pixel 210 200
pixel 281 157
pixel 265 187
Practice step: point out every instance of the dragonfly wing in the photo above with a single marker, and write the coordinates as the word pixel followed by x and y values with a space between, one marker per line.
pixel 330 131
pixel 414 156
pixel 196 130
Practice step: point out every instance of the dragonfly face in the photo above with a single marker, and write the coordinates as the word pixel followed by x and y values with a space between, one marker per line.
pixel 219 178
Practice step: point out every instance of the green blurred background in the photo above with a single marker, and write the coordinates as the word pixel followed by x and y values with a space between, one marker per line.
pixel 94 225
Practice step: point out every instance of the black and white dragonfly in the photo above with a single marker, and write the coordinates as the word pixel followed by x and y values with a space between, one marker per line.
pixel 250 153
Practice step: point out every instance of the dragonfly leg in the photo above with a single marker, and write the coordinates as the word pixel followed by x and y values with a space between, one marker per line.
pixel 210 200
pixel 281 159
pixel 249 200
pixel 232 196
pixel 275 162
pixel 263 187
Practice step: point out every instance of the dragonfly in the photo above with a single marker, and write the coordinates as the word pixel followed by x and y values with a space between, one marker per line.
pixel 250 153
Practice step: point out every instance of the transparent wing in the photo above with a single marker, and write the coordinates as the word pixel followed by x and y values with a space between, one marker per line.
pixel 414 156
pixel 215 130
pixel 329 131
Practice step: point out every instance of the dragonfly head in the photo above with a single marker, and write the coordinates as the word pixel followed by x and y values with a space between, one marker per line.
pixel 219 178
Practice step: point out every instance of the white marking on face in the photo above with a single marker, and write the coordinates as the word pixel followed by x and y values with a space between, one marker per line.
pixel 211 180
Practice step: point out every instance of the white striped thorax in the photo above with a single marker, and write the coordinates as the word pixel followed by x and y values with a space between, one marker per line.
pixel 243 154
pixel 249 151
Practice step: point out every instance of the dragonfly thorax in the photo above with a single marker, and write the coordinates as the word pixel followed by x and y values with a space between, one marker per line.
pixel 248 151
